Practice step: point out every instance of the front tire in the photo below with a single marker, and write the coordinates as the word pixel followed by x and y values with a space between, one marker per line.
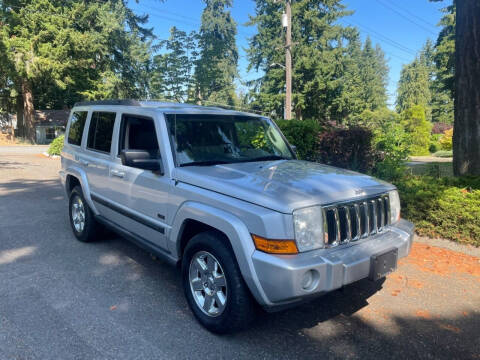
pixel 214 286
pixel 82 220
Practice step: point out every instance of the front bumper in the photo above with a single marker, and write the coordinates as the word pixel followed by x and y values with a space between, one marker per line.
pixel 281 276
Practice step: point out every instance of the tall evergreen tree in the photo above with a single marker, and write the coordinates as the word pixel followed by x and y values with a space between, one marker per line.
pixel 441 104
pixel 172 75
pixel 421 84
pixel 445 49
pixel 216 68
pixel 414 87
pixel 328 80
pixel 62 51
pixel 374 76
pixel 364 80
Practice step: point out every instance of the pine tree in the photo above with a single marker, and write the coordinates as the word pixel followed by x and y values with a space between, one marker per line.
pixel 328 81
pixel 374 76
pixel 63 51
pixel 441 104
pixel 414 87
pixel 172 75
pixel 216 68
pixel 421 84
pixel 445 49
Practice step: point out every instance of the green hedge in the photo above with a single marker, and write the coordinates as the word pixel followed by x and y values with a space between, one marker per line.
pixel 303 134
pixel 448 208
pixel 56 146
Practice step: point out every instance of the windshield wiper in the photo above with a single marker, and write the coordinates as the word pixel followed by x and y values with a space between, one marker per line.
pixel 205 163
pixel 266 158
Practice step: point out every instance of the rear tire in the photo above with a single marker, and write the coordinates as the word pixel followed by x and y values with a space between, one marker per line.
pixel 84 226
pixel 212 277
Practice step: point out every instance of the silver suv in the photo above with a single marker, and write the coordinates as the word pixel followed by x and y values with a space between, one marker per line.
pixel 221 194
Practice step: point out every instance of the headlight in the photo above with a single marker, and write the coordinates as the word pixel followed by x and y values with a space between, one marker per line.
pixel 308 224
pixel 394 206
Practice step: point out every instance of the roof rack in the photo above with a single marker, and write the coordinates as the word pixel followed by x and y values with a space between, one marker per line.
pixel 155 104
pixel 125 102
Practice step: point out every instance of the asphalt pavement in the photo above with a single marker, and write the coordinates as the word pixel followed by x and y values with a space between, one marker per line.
pixel 62 299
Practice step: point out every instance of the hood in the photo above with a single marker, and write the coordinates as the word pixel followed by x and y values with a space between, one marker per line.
pixel 283 185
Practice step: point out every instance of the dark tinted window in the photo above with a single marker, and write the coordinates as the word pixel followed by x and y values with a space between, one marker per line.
pixel 138 133
pixel 100 131
pixel 76 127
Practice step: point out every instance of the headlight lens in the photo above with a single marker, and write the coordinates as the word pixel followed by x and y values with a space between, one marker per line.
pixel 308 224
pixel 394 206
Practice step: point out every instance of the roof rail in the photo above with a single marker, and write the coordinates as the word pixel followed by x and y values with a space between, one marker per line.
pixel 125 102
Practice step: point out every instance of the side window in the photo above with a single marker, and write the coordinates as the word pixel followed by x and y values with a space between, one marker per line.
pixel 138 133
pixel 77 123
pixel 100 131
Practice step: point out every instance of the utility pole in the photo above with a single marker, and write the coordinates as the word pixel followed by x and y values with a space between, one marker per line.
pixel 288 60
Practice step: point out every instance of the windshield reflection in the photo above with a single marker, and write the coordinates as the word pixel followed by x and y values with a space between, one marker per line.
pixel 202 140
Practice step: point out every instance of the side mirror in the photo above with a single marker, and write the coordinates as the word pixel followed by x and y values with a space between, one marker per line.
pixel 294 148
pixel 141 159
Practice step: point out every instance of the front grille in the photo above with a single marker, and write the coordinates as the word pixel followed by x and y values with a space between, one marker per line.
pixel 351 221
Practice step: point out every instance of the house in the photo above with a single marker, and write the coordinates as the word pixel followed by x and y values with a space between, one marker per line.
pixel 49 124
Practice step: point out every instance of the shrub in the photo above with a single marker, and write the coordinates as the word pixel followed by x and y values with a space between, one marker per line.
pixel 303 134
pixel 393 144
pixel 56 146
pixel 446 141
pixel 445 207
pixel 418 128
pixel 348 148
pixel 433 148
pixel 434 144
pixel 440 128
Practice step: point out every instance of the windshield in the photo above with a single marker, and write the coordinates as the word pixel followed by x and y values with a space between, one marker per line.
pixel 222 139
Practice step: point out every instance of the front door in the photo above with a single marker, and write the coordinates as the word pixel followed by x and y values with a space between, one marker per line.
pixel 142 194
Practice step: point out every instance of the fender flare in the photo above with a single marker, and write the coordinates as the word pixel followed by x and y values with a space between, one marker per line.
pixel 235 231
pixel 82 178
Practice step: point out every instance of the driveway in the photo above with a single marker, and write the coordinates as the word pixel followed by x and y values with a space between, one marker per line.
pixel 62 299
pixel 23 149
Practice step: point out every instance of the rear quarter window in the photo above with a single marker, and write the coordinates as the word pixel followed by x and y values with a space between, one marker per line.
pixel 100 131
pixel 77 123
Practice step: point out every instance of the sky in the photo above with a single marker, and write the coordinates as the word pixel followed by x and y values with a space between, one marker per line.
pixel 400 27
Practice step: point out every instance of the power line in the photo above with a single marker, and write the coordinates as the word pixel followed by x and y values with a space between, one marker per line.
pixel 384 38
pixel 405 17
pixel 190 20
pixel 412 14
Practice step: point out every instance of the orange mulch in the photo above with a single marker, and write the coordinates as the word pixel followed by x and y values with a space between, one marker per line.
pixel 442 261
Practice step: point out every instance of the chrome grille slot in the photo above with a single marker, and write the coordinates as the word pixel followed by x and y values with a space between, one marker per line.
pixel 351 221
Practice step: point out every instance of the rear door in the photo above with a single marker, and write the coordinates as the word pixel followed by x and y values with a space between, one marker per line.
pixel 141 195
pixel 98 154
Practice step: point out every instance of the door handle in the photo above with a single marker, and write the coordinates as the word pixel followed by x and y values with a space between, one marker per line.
pixel 83 162
pixel 119 174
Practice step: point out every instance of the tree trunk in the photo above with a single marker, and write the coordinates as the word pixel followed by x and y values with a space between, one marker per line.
pixel 20 127
pixel 28 111
pixel 466 134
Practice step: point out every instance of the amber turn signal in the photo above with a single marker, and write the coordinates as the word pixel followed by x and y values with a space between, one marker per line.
pixel 275 246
